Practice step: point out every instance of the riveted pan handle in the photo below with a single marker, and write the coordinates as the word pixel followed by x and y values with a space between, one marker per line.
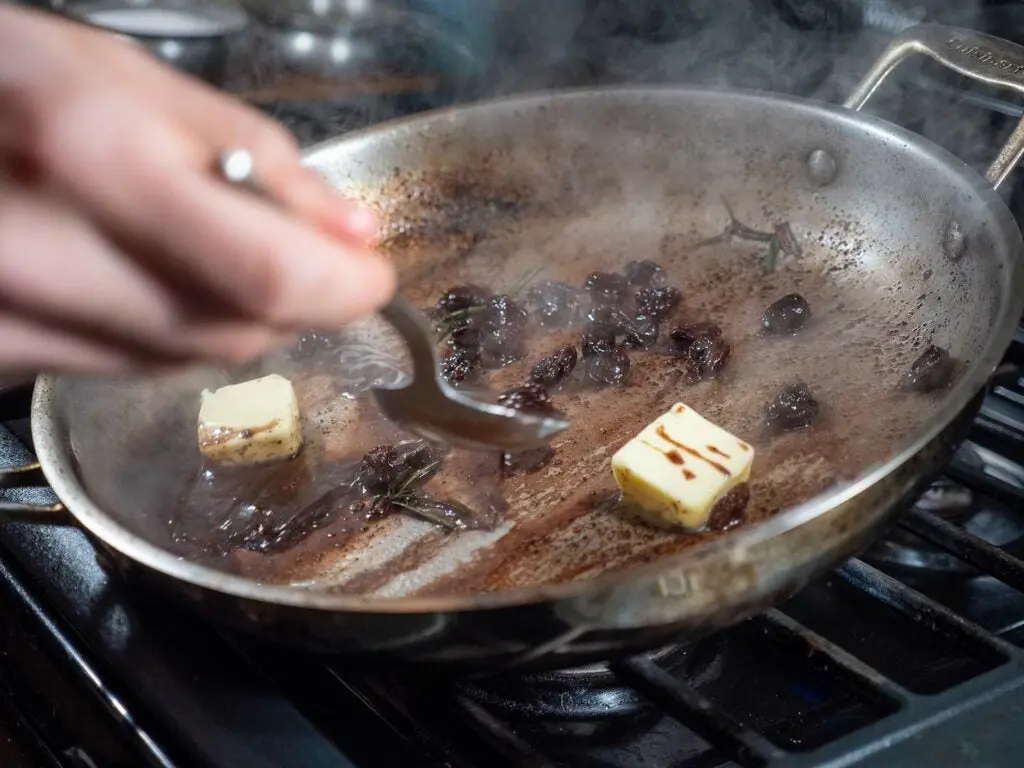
pixel 14 403
pixel 973 54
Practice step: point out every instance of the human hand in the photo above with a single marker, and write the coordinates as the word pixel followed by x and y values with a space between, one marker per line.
pixel 120 250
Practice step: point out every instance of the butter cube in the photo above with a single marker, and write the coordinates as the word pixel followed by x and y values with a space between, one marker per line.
pixel 679 466
pixel 250 423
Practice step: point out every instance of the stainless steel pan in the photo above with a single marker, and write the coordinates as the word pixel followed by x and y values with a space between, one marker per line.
pixel 902 245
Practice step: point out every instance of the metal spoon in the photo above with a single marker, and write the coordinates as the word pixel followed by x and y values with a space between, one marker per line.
pixel 429 406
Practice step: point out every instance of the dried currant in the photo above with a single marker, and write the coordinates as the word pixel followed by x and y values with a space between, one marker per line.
pixel 642 333
pixel 502 347
pixel 705 359
pixel 609 368
pixel 792 409
pixel 597 340
pixel 787 315
pixel 502 312
pixel 531 397
pixel 419 455
pixel 607 287
pixel 461 365
pixel 555 368
pixel 610 317
pixel 657 302
pixel 466 337
pixel 379 469
pixel 728 511
pixel 683 336
pixel 641 274
pixel 931 371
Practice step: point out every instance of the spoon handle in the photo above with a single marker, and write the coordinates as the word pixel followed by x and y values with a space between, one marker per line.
pixel 236 167
pixel 412 327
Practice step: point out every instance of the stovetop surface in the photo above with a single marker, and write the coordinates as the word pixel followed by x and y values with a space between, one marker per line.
pixel 906 657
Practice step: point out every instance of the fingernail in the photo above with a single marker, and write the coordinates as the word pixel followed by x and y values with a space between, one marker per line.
pixel 364 220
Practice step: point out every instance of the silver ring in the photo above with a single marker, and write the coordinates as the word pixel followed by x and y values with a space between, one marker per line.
pixel 236 166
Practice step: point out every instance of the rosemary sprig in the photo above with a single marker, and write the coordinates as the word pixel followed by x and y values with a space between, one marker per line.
pixel 448 514
pixel 451 322
pixel 405 494
pixel 520 285
pixel 738 229
pixel 414 477
pixel 781 240
pixel 448 324
pixel 771 256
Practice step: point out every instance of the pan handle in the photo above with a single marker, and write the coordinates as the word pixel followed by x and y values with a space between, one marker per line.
pixel 27 476
pixel 972 54
pixel 15 402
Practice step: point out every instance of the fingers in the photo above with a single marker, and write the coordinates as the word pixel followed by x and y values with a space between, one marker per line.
pixel 223 123
pixel 30 347
pixel 139 254
pixel 268 264
pixel 63 276
pixel 54 264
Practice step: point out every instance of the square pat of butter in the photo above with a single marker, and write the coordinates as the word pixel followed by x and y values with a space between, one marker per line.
pixel 679 466
pixel 251 422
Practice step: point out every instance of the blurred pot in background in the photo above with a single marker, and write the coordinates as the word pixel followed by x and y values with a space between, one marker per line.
pixel 193 35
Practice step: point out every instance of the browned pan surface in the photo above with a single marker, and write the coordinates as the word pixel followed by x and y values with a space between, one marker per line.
pixel 566 187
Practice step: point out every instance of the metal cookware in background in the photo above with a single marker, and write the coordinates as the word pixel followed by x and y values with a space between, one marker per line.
pixel 922 222
pixel 355 38
pixel 192 35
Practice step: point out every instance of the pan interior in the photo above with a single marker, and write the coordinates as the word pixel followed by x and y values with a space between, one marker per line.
pixel 557 187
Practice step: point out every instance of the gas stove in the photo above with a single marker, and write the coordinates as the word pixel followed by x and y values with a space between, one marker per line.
pixel 912 654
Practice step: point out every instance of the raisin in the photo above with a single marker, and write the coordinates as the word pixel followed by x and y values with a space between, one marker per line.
pixel 728 510
pixel 609 368
pixel 466 337
pixel 609 317
pixel 502 312
pixel 531 397
pixel 641 274
pixel 555 368
pixel 502 347
pixel 705 359
pixel 461 365
pixel 787 315
pixel 384 466
pixel 792 409
pixel 554 304
pixel 683 336
pixel 419 455
pixel 657 302
pixel 462 297
pixel 607 288
pixel 931 371
pixel 597 340
pixel 379 469
pixel 642 333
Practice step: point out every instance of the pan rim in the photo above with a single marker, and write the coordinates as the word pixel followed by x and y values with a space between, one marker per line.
pixel 66 485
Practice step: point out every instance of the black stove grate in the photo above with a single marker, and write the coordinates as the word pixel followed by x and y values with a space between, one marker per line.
pixel 886 664
pixel 907 714
pixel 879 664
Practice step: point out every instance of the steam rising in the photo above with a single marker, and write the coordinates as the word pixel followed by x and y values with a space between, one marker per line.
pixel 818 49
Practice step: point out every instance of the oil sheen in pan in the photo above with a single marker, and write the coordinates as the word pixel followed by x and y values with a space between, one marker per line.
pixel 863 334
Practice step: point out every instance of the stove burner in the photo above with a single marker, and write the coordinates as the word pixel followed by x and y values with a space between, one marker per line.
pixel 588 693
pixel 956 504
